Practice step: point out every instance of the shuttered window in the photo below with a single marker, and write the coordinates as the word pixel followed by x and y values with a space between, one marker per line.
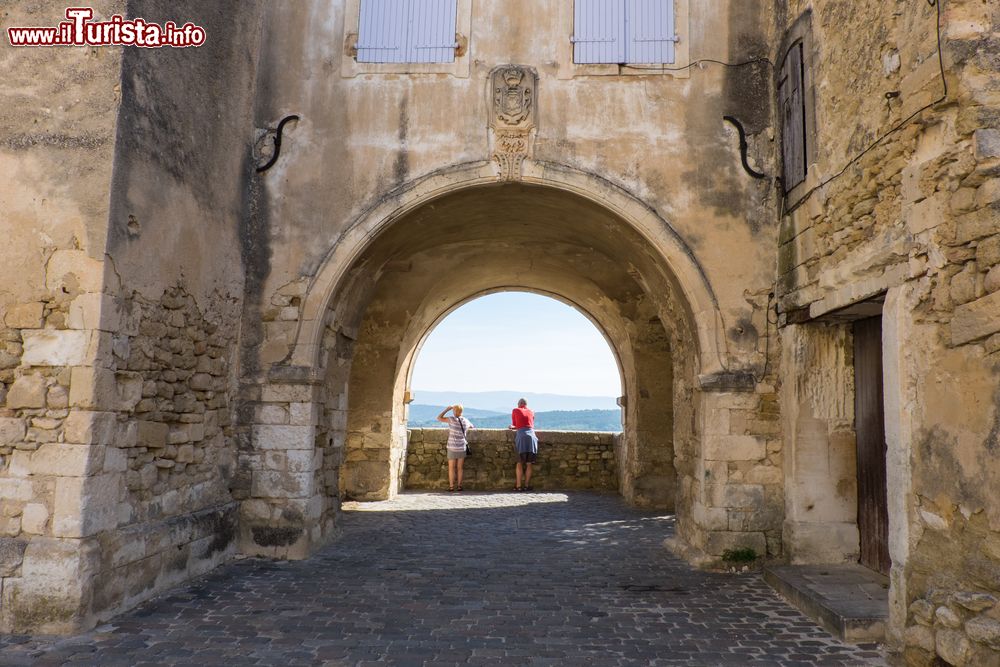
pixel 407 31
pixel 623 31
pixel 791 98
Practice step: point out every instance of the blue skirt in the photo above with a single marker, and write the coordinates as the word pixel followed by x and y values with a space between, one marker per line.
pixel 526 441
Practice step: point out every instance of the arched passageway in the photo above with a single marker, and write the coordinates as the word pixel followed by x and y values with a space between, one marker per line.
pixel 506 237
pixel 339 394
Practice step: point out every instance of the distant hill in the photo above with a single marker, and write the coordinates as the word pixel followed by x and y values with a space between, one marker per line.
pixel 504 401
pixel 555 420
pixel 426 415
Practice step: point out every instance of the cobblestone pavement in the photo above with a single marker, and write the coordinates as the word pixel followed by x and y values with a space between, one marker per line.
pixel 471 579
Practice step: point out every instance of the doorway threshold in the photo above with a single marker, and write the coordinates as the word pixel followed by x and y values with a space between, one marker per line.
pixel 849 601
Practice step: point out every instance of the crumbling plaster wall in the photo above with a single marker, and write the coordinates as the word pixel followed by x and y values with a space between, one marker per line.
pixel 117 450
pixel 916 219
pixel 57 131
pixel 367 137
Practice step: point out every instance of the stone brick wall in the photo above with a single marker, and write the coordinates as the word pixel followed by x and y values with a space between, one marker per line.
pixel 566 460
pixel 914 223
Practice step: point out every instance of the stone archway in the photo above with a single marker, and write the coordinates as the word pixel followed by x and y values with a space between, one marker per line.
pixel 485 239
pixel 339 425
pixel 684 272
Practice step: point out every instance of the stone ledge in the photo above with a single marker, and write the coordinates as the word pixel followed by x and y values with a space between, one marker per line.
pixel 849 601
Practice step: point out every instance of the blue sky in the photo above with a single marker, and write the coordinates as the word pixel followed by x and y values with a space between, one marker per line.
pixel 517 341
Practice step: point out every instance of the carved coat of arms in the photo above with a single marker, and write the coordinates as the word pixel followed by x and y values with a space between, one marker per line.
pixel 512 117
pixel 512 98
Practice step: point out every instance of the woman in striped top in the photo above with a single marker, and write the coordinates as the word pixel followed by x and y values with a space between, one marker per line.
pixel 458 427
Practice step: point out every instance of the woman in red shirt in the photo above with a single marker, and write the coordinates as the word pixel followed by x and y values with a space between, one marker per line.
pixel 523 421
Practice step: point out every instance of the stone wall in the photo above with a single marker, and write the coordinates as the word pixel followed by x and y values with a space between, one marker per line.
pixel 57 131
pixel 566 460
pixel 906 227
pixel 121 314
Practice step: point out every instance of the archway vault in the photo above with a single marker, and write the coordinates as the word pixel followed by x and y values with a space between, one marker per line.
pixel 624 211
pixel 422 250
pixel 481 239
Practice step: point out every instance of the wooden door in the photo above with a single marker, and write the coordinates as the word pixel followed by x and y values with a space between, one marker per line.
pixel 869 421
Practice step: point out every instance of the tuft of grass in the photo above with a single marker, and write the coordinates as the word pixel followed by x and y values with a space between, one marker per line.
pixel 742 555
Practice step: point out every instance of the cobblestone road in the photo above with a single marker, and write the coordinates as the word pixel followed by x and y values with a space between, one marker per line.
pixel 471 579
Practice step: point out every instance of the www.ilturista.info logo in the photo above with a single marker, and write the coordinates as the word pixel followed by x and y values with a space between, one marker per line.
pixel 79 30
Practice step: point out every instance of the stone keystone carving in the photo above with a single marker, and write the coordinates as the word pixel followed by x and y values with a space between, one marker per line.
pixel 512 118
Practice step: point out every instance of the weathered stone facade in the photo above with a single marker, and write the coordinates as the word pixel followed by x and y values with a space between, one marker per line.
pixel 566 460
pixel 908 230
pixel 198 359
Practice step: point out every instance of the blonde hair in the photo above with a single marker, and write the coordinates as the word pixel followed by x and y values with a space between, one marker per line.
pixel 457 409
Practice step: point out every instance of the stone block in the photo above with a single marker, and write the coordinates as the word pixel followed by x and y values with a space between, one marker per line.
pixel 85 506
pixel 974 601
pixel 94 311
pixel 115 460
pixel 947 618
pixel 988 250
pixel 709 518
pixel 820 542
pixel 985 631
pixel 952 646
pixel 283 437
pixel 201 382
pixel 64 460
pixel 286 393
pixel 992 281
pixel 765 475
pixel 734 448
pixel 34 518
pixel 151 434
pixel 927 214
pixel 57 397
pixel 86 427
pixel 102 389
pixel 717 422
pixel 12 430
pixel 976 225
pixel 919 635
pixel 302 414
pixel 975 320
pixel 28 391
pixel 301 460
pixel 281 484
pixel 178 434
pixel 66 347
pixel 74 270
pixel 185 454
pixel 269 413
pixel 25 316
pixel 717 542
pixel 987 143
pixel 922 611
pixel 11 555
pixel 747 496
pixel 10 526
pixel 16 489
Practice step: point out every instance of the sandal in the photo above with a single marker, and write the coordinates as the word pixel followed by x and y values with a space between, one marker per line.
pixel 517 489
pixel 459 488
pixel 451 489
pixel 528 488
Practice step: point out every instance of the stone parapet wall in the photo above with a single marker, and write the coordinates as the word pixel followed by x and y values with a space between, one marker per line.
pixel 566 460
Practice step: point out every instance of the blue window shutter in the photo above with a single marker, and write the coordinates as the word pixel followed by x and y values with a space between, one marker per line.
pixel 382 31
pixel 650 31
pixel 599 31
pixel 432 31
